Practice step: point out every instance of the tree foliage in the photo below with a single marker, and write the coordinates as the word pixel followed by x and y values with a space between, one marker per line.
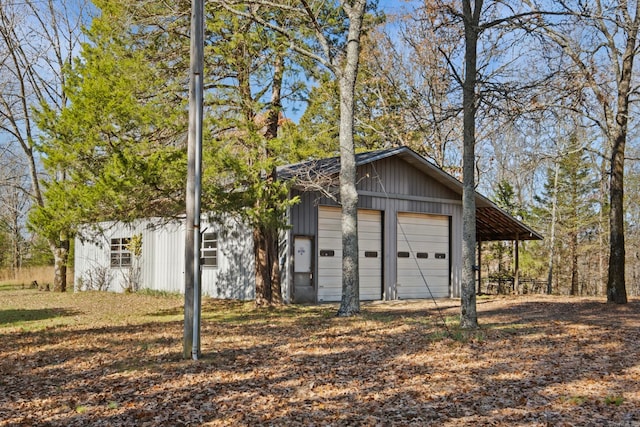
pixel 37 41
pixel 120 143
pixel 117 145
pixel 594 47
pixel 569 199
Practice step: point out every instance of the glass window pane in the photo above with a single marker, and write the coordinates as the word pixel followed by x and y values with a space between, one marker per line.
pixel 115 260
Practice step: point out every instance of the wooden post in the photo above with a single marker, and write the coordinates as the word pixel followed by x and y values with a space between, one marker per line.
pixel 516 273
pixel 479 268
pixel 191 341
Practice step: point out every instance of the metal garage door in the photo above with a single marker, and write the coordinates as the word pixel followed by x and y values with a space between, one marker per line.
pixel 330 254
pixel 423 250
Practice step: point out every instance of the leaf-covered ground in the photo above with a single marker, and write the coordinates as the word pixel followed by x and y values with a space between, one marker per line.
pixel 107 359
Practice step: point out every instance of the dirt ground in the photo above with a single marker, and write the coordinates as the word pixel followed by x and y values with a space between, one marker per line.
pixel 106 359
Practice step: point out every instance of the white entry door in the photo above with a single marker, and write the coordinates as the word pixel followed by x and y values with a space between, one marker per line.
pixel 423 256
pixel 330 254
pixel 303 290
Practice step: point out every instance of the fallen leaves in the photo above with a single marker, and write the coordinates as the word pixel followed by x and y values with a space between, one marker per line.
pixel 538 361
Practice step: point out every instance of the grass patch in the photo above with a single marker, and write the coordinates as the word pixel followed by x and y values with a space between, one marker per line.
pixel 157 293
pixel 33 310
pixel 19 317
pixel 5 286
pixel 575 400
pixel 614 400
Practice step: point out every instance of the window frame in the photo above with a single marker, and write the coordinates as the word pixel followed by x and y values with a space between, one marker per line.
pixel 209 249
pixel 120 256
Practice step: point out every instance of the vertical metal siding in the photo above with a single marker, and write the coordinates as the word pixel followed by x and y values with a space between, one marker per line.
pixel 165 266
pixel 162 260
pixel 394 176
pixel 234 278
pixel 391 179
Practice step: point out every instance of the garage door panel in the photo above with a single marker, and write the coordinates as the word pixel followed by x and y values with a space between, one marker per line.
pixel 369 246
pixel 369 242
pixel 408 273
pixel 411 264
pixel 423 230
pixel 417 240
pixel 329 235
pixel 433 279
pixel 330 255
pixel 423 256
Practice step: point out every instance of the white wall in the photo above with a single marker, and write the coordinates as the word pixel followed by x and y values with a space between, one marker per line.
pixel 162 261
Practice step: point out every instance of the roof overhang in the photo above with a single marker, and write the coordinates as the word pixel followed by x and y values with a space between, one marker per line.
pixel 492 222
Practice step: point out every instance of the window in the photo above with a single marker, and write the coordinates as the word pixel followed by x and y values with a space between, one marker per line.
pixel 120 254
pixel 210 249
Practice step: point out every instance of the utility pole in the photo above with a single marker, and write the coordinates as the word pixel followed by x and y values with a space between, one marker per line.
pixel 192 286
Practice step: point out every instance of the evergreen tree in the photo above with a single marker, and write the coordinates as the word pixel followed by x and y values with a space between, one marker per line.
pixel 120 142
pixel 116 147
pixel 573 190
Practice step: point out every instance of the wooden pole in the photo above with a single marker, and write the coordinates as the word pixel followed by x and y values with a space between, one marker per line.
pixel 516 273
pixel 192 292
pixel 479 265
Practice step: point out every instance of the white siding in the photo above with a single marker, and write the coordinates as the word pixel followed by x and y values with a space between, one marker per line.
pixel 162 260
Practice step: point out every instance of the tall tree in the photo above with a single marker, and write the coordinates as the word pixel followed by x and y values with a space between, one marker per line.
pixel 575 192
pixel 490 32
pixel 333 40
pixel 118 139
pixel 249 103
pixel 600 41
pixel 32 73
pixel 14 205
pixel 567 204
pixel 132 72
pixel 471 19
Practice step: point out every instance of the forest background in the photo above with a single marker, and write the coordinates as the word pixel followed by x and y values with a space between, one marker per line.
pixel 93 119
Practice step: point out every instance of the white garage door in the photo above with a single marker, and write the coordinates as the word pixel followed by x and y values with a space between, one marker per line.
pixel 423 256
pixel 330 254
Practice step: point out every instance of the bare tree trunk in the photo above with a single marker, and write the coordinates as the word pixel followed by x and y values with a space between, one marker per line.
pixel 350 301
pixel 60 252
pixel 552 240
pixel 274 265
pixel 575 285
pixel 616 287
pixel 262 268
pixel 265 237
pixel 468 313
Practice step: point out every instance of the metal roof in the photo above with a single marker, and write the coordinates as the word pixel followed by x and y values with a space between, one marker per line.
pixel 492 223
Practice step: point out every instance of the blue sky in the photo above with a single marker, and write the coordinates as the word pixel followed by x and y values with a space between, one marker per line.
pixel 294 110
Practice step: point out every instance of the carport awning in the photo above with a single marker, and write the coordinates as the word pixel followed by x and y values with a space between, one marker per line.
pixel 493 224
